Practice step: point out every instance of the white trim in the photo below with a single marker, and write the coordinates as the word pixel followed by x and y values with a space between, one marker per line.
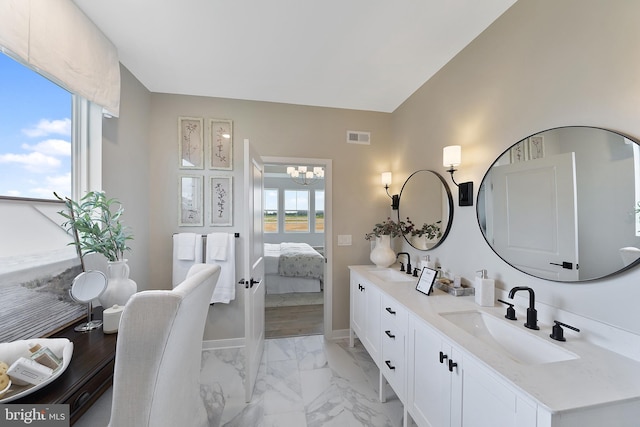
pixel 86 147
pixel 338 334
pixel 328 230
pixel 224 343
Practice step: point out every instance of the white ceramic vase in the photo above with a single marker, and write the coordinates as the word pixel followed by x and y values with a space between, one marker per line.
pixel 119 286
pixel 382 255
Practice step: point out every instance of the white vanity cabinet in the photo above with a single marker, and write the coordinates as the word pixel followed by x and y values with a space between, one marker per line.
pixel 447 387
pixel 365 315
pixel 394 325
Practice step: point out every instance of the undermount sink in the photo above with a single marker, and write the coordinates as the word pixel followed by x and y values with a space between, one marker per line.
pixel 520 345
pixel 393 275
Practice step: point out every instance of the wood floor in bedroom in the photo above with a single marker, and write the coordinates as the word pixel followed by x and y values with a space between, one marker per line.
pixel 293 321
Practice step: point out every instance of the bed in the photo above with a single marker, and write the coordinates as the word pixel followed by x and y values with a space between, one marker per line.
pixel 293 267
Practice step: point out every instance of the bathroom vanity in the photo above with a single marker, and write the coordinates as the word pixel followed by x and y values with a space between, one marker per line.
pixel 454 363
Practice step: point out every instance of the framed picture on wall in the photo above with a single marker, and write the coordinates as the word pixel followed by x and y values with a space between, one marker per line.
pixel 221 144
pixel 191 143
pixel 221 201
pixel 190 201
pixel 536 147
pixel 519 152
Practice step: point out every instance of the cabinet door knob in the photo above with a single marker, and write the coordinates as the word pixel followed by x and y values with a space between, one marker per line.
pixel 388 363
pixel 390 311
pixel 389 334
pixel 443 357
pixel 452 365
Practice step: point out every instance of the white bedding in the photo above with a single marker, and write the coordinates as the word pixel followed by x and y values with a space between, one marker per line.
pixel 277 283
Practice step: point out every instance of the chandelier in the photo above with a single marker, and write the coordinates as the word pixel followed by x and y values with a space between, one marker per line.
pixel 302 175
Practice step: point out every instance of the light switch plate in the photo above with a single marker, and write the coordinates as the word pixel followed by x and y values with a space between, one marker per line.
pixel 344 239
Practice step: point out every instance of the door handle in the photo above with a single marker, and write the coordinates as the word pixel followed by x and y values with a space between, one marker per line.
pixel 388 363
pixel 248 283
pixel 390 311
pixel 566 265
pixel 389 334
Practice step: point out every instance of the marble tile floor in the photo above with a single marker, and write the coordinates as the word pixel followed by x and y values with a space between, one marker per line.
pixel 302 381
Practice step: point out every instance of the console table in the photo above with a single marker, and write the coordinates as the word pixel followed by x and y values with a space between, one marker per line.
pixel 89 374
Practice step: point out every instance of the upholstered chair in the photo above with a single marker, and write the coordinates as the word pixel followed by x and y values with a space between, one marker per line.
pixel 158 354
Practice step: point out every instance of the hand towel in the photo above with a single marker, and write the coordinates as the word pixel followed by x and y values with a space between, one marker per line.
pixel 186 243
pixel 225 290
pixel 181 266
pixel 217 246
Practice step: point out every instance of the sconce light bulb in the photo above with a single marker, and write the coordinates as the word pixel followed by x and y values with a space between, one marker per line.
pixel 451 156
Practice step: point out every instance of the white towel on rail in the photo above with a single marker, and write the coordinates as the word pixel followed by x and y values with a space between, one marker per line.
pixel 225 290
pixel 182 266
pixel 186 243
pixel 217 246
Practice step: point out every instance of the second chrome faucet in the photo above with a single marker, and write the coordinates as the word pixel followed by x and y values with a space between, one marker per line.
pixel 532 314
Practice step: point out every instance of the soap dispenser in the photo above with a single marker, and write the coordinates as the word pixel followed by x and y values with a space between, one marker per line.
pixel 484 289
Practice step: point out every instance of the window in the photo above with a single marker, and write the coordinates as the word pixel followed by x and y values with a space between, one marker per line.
pixel 35 134
pixel 270 210
pixel 319 209
pixel 296 211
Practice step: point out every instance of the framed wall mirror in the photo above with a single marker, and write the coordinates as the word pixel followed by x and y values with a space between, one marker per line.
pixel 562 204
pixel 426 200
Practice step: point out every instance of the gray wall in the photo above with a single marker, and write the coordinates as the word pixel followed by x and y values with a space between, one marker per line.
pixel 277 130
pixel 541 65
pixel 125 171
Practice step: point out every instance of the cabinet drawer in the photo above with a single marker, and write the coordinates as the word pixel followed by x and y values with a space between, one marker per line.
pixel 392 311
pixel 393 365
pixel 86 395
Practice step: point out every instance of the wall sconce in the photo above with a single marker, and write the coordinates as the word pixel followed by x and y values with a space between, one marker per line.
pixel 386 181
pixel 451 157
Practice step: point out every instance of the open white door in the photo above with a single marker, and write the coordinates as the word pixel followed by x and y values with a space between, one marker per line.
pixel 253 266
pixel 535 204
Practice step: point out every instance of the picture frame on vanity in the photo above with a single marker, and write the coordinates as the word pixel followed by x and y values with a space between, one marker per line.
pixel 221 144
pixel 426 281
pixel 190 201
pixel 191 142
pixel 221 189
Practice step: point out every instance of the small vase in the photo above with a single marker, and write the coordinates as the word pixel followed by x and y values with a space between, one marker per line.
pixel 382 255
pixel 119 286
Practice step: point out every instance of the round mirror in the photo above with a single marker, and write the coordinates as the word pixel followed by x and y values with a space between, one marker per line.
pixel 561 204
pixel 86 287
pixel 426 200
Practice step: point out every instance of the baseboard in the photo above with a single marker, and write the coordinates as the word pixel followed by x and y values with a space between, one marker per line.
pixel 220 344
pixel 338 334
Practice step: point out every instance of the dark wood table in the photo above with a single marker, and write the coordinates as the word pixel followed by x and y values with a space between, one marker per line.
pixel 89 374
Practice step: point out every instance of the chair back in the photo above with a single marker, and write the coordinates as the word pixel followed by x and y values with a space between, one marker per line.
pixel 159 352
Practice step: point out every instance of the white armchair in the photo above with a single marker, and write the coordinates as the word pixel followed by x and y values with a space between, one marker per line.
pixel 158 354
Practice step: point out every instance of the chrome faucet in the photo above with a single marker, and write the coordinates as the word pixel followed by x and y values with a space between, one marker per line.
pixel 408 261
pixel 532 314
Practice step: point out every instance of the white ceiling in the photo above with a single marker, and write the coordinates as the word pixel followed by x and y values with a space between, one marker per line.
pixel 356 54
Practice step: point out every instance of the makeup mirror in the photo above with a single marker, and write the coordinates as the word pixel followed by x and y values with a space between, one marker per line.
pixel 86 287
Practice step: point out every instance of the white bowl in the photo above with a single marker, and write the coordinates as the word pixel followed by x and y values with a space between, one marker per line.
pixel 6 389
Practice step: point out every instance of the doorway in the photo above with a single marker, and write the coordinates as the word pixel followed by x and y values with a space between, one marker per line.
pixel 297 224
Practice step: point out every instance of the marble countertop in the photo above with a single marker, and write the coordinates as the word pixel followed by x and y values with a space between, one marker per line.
pixel 597 377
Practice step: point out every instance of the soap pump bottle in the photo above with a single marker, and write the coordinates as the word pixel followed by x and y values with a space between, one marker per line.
pixel 484 289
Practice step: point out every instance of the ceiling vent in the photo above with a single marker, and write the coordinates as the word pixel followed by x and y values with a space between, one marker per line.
pixel 358 137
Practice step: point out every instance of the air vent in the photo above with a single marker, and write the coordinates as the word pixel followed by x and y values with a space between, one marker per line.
pixel 358 137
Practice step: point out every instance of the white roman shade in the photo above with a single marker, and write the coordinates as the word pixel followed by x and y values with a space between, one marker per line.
pixel 57 39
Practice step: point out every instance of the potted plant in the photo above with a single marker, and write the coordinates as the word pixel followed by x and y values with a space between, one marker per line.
pixel 421 236
pixel 382 255
pixel 95 221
